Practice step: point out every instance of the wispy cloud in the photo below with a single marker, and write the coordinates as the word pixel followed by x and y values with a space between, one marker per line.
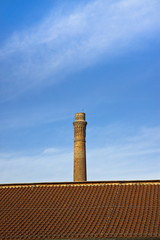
pixel 44 166
pixel 136 156
pixel 127 155
pixel 44 53
pixel 36 117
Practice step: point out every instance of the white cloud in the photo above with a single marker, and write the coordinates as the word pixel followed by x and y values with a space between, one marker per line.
pixel 60 44
pixel 50 150
pixel 41 167
pixel 135 156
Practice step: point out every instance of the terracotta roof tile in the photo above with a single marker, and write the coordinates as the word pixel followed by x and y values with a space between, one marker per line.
pixel 80 210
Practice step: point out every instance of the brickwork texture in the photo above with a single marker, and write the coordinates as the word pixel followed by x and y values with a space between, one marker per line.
pixel 80 174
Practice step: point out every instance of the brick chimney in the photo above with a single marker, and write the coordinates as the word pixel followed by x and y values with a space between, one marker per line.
pixel 80 148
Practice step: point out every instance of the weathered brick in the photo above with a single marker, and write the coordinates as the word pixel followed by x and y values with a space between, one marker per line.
pixel 80 148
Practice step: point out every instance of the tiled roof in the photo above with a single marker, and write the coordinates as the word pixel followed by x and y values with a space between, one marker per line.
pixel 80 210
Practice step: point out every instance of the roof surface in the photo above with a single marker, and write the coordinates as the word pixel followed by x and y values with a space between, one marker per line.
pixel 80 210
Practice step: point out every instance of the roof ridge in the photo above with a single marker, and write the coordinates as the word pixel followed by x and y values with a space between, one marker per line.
pixel 74 185
pixel 81 183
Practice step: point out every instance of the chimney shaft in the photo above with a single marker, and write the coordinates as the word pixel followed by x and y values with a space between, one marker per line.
pixel 80 148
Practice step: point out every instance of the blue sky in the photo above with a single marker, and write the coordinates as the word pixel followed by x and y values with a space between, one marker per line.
pixel 62 57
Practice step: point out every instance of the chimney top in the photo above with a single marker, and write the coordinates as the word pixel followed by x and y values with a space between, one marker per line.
pixel 80 116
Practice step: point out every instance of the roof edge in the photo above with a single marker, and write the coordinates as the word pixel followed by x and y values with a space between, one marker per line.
pixel 82 183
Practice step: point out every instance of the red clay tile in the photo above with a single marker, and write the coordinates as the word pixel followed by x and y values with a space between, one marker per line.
pixel 80 210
